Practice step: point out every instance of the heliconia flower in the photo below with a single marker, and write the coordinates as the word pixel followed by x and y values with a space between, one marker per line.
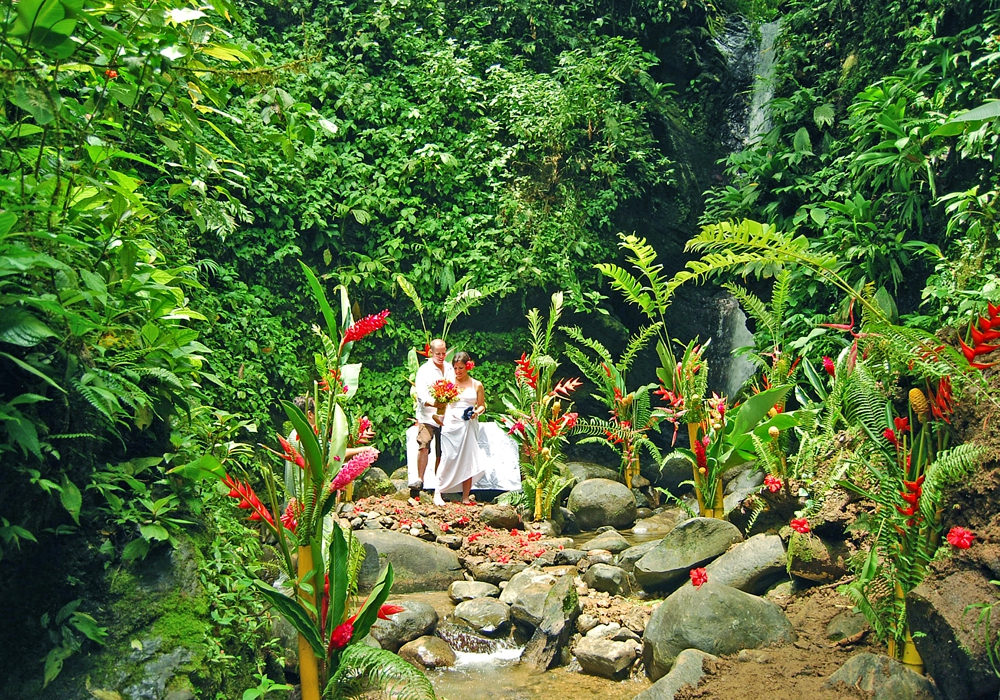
pixel 248 499
pixel 291 454
pixel 800 525
pixel 569 420
pixel 426 352
pixel 526 371
pixel 902 424
pixel 960 538
pixel 565 386
pixel 828 365
pixel 915 485
pixel 773 483
pixel 942 402
pixel 890 435
pixel 366 326
pixel 341 635
pixel 908 511
pixel 699 577
pixel 354 468
pixel 910 498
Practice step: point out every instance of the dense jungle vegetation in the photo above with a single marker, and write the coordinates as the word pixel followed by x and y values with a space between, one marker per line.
pixel 167 164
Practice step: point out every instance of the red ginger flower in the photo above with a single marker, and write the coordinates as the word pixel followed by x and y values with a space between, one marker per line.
pixel 518 427
pixel 960 538
pixel 699 452
pixel 890 435
pixel 902 424
pixel 290 518
pixel 699 577
pixel 773 483
pixel 248 499
pixel 800 525
pixel 830 368
pixel 354 468
pixel 366 326
pixel 341 635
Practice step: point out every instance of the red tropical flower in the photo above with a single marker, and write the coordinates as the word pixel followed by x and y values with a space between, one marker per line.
pixel 354 468
pixel 828 365
pixel 699 577
pixel 248 499
pixel 386 610
pixel 773 483
pixel 366 326
pixel 341 635
pixel 293 511
pixel 890 435
pixel 902 425
pixel 291 454
pixel 470 365
pixel 526 372
pixel 960 538
pixel 800 525
pixel 518 427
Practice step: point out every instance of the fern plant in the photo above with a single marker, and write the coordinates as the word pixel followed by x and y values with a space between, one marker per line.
pixel 631 415
pixel 536 417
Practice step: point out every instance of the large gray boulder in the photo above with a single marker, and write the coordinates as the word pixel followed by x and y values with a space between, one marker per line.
pixel 487 616
pixel 687 672
pixel 628 558
pixel 660 523
pixel 529 606
pixel 500 515
pixel 600 656
pixel 608 579
pixel 582 471
pixel 691 544
pixel 881 678
pixel 598 502
pixel 952 648
pixel 751 566
pixel 714 618
pixel 814 559
pixel 415 620
pixel 559 614
pixel 417 565
pixel 523 579
pixel 493 571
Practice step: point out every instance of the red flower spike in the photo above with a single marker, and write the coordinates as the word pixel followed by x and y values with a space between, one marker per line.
pixel 341 635
pixel 960 538
pixel 366 326
pixel 800 525
pixel 830 368
pixel 699 577
pixel 890 435
pixel 910 498
pixel 909 510
pixel 248 499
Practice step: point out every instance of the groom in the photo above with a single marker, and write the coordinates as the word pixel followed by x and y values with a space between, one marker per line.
pixel 427 430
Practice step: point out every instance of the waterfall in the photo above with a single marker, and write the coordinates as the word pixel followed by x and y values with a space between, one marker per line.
pixel 759 120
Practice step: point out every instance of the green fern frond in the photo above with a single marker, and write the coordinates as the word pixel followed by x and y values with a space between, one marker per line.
pixel 644 258
pixel 363 668
pixel 950 467
pixel 756 309
pixel 594 345
pixel 94 398
pixel 780 295
pixel 623 281
pixel 635 346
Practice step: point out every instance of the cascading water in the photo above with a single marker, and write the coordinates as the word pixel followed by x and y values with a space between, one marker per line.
pixel 751 58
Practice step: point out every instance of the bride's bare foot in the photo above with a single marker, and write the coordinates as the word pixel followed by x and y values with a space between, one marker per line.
pixel 438 501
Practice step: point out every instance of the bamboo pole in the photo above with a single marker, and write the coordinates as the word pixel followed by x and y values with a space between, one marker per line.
pixel 699 480
pixel 308 665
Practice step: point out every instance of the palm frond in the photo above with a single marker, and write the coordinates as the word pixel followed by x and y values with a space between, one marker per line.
pixel 363 668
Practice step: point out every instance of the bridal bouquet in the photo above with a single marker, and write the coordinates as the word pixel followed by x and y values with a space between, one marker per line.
pixel 443 391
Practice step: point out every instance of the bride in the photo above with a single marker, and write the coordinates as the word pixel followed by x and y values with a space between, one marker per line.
pixel 459 466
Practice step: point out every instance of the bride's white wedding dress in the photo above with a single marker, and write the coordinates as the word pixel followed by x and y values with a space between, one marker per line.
pixel 459 445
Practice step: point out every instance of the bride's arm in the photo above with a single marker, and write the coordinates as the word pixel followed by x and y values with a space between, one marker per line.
pixel 480 400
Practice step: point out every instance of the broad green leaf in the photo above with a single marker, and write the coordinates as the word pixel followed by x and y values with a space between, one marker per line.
pixel 338 438
pixel 369 611
pixel 756 407
pixel 71 499
pixel 89 627
pixel 35 102
pixel 823 115
pixel 227 52
pixel 206 467
pixel 350 374
pixel 324 305
pixel 136 549
pixel 20 327
pixel 153 531
pixel 339 582
pixel 802 143
pixel 296 615
pixel 328 125
pixel 307 438
pixel 985 112
pixel 818 215
pixel 7 220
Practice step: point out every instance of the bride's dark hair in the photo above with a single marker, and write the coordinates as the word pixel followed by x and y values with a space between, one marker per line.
pixel 460 356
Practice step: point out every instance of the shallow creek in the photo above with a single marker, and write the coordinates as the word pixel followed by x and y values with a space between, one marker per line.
pixel 498 674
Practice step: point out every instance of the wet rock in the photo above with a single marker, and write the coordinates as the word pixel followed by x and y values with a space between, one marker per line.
pixel 560 570
pixel 449 541
pixel 569 524
pixel 606 658
pixel 529 605
pixel 583 471
pixel 549 528
pixel 374 482
pixel 487 616
pixel 569 556
pixel 641 499
pixel 400 474
pixel 743 480
pixel 609 579
pixel 846 624
pixel 628 558
pixel 688 670
pixel 881 678
pixel 661 523
pixel 600 556
pixel 605 631
pixel 501 516
pixel 598 502
pixel 952 649
pixel 417 565
pixel 751 566
pixel 716 619
pixel 691 544
pixel 814 560
pixel 610 540
pixel 461 638
pixel 288 638
pixel 492 571
pixel 636 620
pixel 559 614
pixel 468 590
pixel 519 582
pixel 642 513
pixel 428 652
pixel 415 620
pixel 156 673
pixel 671 474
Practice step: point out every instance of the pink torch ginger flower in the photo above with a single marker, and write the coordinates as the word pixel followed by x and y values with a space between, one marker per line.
pixel 960 538
pixel 354 468
pixel 366 326
pixel 518 427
